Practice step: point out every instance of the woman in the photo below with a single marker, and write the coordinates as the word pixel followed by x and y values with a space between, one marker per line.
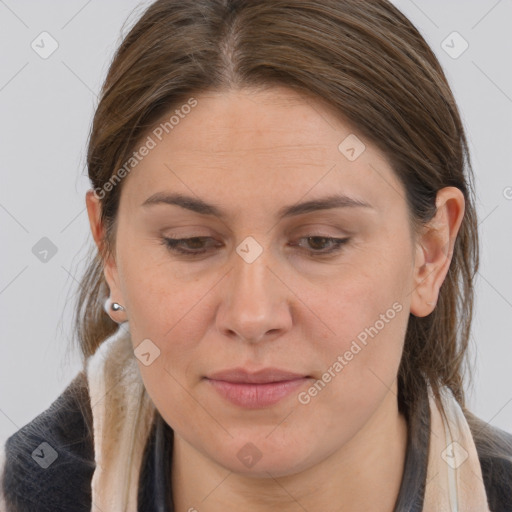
pixel 277 313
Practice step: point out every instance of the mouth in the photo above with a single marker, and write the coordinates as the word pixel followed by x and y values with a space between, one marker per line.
pixel 254 390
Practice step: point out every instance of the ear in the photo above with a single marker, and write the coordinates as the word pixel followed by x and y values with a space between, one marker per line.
pixel 97 229
pixel 434 250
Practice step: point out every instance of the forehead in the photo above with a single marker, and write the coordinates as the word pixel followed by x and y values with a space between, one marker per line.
pixel 235 121
pixel 234 146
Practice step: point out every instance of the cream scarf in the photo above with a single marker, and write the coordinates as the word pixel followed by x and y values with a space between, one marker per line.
pixel 123 414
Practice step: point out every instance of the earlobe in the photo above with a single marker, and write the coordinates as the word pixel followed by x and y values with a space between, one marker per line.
pixel 434 250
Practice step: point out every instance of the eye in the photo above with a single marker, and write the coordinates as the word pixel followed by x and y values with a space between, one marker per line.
pixel 334 244
pixel 176 244
pixel 195 245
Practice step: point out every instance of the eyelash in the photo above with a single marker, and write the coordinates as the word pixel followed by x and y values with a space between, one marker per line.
pixel 173 245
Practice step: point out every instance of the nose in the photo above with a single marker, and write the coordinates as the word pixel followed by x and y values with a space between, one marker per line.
pixel 255 302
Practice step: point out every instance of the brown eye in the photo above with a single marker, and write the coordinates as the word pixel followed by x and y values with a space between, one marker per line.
pixel 195 245
pixel 324 245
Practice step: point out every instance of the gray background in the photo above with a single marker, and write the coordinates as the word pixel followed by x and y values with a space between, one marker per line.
pixel 46 107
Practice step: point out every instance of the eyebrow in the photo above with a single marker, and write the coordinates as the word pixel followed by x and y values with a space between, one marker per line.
pixel 199 206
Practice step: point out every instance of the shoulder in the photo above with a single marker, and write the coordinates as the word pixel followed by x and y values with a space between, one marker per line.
pixel 48 464
pixel 494 448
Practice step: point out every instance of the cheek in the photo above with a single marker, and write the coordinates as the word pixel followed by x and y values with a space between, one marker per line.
pixel 360 366
pixel 170 313
pixel 360 355
pixel 368 336
pixel 158 293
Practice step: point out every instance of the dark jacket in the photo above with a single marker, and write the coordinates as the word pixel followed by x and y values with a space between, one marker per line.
pixel 65 485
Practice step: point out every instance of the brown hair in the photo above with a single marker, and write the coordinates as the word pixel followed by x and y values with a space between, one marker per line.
pixel 367 62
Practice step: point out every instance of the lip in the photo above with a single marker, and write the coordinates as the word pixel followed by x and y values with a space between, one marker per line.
pixel 258 389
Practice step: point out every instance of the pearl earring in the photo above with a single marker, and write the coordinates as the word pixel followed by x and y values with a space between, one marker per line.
pixel 110 306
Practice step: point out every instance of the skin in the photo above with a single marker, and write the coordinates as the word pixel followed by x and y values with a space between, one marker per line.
pixel 251 153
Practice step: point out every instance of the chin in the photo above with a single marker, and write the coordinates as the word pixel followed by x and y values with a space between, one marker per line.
pixel 258 458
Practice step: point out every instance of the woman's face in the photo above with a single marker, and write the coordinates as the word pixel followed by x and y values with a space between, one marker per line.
pixel 259 294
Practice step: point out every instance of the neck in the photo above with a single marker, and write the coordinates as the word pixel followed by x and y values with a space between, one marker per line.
pixel 365 474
